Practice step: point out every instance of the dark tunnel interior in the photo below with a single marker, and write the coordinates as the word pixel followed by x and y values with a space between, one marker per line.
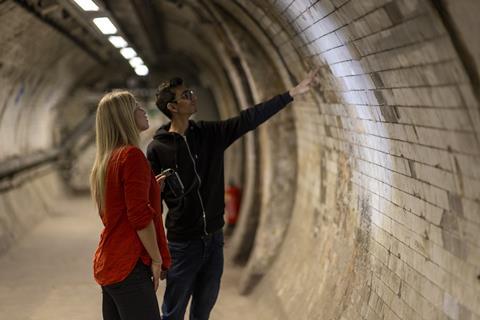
pixel 360 200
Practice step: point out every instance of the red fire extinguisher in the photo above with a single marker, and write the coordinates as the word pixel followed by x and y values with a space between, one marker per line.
pixel 232 204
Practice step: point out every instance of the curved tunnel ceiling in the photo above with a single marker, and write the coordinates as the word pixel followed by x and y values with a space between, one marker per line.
pixel 361 200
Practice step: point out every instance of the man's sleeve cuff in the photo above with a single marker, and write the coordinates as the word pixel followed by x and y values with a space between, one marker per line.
pixel 286 97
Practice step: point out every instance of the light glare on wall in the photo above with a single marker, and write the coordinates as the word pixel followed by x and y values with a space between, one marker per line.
pixel 128 53
pixel 118 42
pixel 87 5
pixel 105 25
pixel 135 62
pixel 141 70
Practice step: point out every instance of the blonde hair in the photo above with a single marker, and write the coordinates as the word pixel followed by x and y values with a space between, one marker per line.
pixel 115 127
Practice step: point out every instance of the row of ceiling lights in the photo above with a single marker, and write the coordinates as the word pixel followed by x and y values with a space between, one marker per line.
pixel 106 26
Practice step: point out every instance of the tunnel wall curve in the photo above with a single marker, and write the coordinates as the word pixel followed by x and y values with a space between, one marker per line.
pixel 260 231
pixel 38 70
pixel 385 221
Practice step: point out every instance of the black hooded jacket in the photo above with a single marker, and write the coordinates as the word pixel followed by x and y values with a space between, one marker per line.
pixel 198 159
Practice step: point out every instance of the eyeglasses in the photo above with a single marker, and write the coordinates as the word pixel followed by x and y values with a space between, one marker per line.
pixel 187 95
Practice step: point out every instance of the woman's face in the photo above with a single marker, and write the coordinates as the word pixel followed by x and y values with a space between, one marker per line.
pixel 141 119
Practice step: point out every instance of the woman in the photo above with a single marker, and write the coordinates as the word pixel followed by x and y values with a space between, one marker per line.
pixel 133 249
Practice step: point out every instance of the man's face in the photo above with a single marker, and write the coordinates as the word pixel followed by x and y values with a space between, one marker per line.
pixel 185 100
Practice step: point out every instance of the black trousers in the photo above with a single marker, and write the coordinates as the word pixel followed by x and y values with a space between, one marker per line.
pixel 133 298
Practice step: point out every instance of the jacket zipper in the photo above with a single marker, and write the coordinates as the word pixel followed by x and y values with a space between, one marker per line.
pixel 199 184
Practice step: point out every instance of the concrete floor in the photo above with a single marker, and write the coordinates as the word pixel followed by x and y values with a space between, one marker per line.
pixel 48 273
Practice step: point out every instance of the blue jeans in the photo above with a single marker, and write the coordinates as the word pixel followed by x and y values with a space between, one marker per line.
pixel 196 272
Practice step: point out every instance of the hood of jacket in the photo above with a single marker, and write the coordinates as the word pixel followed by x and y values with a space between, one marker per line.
pixel 162 133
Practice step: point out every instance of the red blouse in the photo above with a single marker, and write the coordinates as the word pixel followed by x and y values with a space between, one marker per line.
pixel 132 200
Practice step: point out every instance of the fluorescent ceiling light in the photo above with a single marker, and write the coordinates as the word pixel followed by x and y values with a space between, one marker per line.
pixel 141 70
pixel 135 62
pixel 117 41
pixel 87 5
pixel 105 25
pixel 128 53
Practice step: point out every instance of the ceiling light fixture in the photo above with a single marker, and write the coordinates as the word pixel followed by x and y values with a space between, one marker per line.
pixel 128 53
pixel 135 62
pixel 117 41
pixel 141 70
pixel 105 25
pixel 87 5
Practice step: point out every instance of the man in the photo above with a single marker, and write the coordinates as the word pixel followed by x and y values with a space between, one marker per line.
pixel 195 219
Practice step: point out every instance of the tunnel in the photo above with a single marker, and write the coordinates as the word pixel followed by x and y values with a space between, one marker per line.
pixel 360 200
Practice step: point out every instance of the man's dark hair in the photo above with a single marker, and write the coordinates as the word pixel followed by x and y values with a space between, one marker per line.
pixel 166 94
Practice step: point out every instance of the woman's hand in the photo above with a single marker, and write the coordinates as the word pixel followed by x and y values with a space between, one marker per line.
pixel 156 273
pixel 305 85
pixel 161 181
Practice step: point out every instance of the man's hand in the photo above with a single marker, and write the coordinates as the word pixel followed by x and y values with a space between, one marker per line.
pixel 161 181
pixel 163 274
pixel 305 85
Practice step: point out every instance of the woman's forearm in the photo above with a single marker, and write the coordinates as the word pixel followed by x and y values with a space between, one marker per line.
pixel 148 237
